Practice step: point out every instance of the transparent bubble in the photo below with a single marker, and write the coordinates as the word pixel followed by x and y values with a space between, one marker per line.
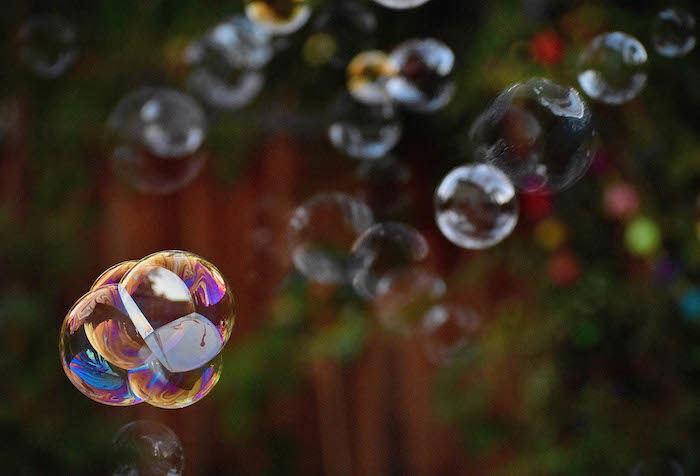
pixel 401 4
pixel 147 448
pixel 658 467
pixel 363 131
pixel 322 231
pixel 154 336
pixel 673 34
pixel 446 330
pixel 422 67
pixel 539 133
pixel 612 68
pixel 170 124
pixel 155 175
pixel 48 45
pixel 349 26
pixel 476 206
pixel 279 17
pixel 367 76
pixel 383 253
pixel 233 91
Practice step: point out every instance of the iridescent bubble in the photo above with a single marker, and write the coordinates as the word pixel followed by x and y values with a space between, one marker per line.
pixel 446 330
pixel 114 274
pixel 476 206
pixel 673 33
pixel 612 68
pixel 349 26
pixel 48 45
pixel 363 131
pixel 367 77
pixel 539 133
pixel 421 82
pixel 147 448
pixel 401 4
pixel 322 231
pixel 155 175
pixel 658 467
pixel 168 123
pixel 279 17
pixel 385 252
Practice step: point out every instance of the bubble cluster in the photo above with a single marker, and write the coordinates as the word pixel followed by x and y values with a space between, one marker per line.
pixel 279 17
pixel 322 231
pixel 367 76
pixel 446 330
pixel 476 206
pixel 47 45
pixel 673 34
pixel 421 81
pixel 363 131
pixel 147 448
pixel 149 330
pixel 401 4
pixel 539 133
pixel 383 253
pixel 612 68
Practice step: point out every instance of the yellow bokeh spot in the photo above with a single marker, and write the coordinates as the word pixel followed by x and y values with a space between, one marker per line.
pixel 550 233
pixel 319 49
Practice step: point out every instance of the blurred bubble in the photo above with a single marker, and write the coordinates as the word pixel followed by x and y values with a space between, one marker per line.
pixel 168 123
pixel 642 236
pixel 348 25
pixel 279 17
pixel 612 68
pixel 446 330
pixel 48 45
pixel 154 175
pixel 401 4
pixel 421 81
pixel 673 34
pixel 538 133
pixel 476 206
pixel 231 92
pixel 385 252
pixel 363 131
pixel 147 448
pixel 322 231
pixel 367 76
pixel 658 467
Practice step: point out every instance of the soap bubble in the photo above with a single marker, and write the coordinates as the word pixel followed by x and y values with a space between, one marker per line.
pixel 155 175
pixel 48 45
pixel 363 131
pixel 674 33
pixel 446 330
pixel 154 336
pixel 348 25
pixel 322 231
pixel 539 133
pixel 401 4
pixel 658 467
pixel 234 91
pixel 279 17
pixel 367 77
pixel 385 252
pixel 168 123
pixel 612 68
pixel 421 82
pixel 147 448
pixel 476 206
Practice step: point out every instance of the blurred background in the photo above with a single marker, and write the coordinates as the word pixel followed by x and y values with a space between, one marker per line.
pixel 587 359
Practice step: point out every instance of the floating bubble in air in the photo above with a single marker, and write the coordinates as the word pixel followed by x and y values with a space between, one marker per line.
pixel 658 467
pixel 476 206
pixel 147 448
pixel 539 133
pixel 322 231
pixel 168 123
pixel 673 34
pixel 342 29
pixel 48 45
pixel 612 68
pixel 422 74
pixel 363 131
pixel 367 76
pixel 383 253
pixel 401 4
pixel 279 17
pixel 446 330
pixel 149 330
pixel 231 92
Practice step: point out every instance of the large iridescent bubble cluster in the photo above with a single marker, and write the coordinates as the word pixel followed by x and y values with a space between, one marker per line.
pixel 149 330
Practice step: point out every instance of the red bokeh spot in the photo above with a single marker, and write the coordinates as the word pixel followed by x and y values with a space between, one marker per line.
pixel 548 48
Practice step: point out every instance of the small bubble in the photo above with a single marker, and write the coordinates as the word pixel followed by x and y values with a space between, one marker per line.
pixel 147 448
pixel 48 45
pixel 367 77
pixel 673 34
pixel 279 17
